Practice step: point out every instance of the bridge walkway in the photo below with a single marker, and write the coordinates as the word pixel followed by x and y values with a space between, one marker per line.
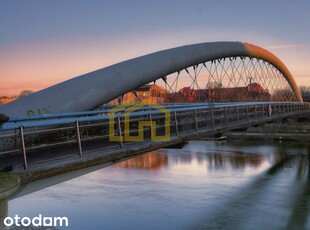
pixel 38 151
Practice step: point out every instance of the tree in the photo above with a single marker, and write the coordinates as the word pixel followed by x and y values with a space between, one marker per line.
pixel 285 94
pixel 24 93
pixel 305 93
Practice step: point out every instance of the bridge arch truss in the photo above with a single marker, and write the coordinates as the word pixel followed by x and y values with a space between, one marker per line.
pixel 228 79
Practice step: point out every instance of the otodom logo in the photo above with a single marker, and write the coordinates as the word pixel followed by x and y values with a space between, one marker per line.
pixel 141 124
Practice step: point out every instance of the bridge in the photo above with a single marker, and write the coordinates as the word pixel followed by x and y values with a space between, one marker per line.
pixel 206 89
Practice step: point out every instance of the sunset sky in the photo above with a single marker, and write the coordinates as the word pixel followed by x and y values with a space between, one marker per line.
pixel 46 42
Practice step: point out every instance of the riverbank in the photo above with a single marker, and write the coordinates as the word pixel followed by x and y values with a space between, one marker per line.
pixel 277 131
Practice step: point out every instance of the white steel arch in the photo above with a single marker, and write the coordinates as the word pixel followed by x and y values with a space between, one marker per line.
pixel 90 90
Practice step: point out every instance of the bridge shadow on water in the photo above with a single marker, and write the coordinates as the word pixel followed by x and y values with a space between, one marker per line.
pixel 277 199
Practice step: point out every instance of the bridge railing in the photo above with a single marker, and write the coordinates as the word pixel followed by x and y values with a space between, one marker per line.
pixel 80 135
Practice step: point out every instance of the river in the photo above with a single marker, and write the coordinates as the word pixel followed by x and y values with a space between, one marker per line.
pixel 201 185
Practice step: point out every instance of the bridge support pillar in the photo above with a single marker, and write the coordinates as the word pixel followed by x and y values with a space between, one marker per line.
pixel 3 212
pixel 9 183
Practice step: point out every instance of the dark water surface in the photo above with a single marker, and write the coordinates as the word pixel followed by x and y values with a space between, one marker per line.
pixel 204 185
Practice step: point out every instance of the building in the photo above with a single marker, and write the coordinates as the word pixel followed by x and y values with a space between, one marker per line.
pixel 251 92
pixel 155 94
pixel 150 94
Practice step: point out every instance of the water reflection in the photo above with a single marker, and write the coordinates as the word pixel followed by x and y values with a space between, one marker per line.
pixel 236 161
pixel 203 185
pixel 281 163
pixel 300 209
pixel 216 161
pixel 278 199
pixel 152 160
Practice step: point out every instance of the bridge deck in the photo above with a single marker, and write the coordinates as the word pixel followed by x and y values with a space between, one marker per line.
pixel 39 151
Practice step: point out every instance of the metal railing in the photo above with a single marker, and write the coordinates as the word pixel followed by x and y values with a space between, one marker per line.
pixel 92 132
